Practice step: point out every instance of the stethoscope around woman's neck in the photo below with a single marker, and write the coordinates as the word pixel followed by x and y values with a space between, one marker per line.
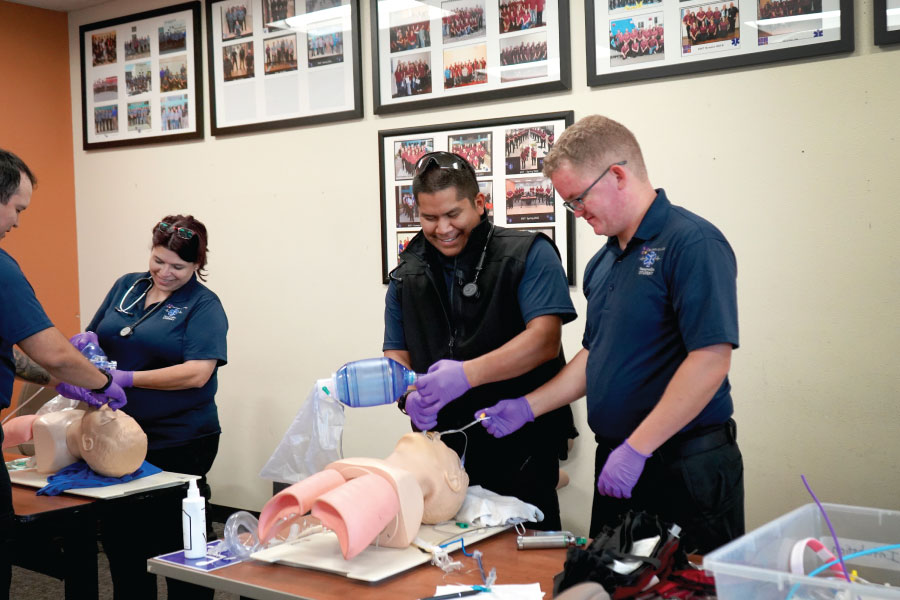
pixel 125 310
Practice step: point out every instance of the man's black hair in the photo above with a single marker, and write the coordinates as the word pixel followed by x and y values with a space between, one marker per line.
pixel 11 169
pixel 436 179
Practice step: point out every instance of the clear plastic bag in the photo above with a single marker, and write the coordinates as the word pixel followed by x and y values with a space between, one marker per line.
pixel 57 404
pixel 312 441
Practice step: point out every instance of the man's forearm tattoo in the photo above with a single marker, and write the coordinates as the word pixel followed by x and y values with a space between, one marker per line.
pixel 29 370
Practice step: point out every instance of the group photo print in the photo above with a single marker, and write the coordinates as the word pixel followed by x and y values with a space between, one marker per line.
pixel 237 19
pixel 107 88
pixel 139 116
pixel 103 48
pixel 526 149
pixel 277 11
pixel 137 47
pixel 465 66
pixel 411 75
pixel 462 20
pixel 410 29
pixel 638 39
pixel 530 200
pixel 138 78
pixel 407 153
pixel 237 61
pixel 475 148
pixel 281 53
pixel 172 37
pixel 325 44
pixel 706 24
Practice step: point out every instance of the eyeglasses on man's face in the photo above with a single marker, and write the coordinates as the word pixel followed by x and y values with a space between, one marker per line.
pixel 577 203
pixel 443 160
pixel 182 232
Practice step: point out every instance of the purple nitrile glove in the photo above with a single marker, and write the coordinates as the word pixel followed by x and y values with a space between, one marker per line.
pixel 506 416
pixel 80 340
pixel 114 395
pixel 124 379
pixel 418 410
pixel 445 381
pixel 621 472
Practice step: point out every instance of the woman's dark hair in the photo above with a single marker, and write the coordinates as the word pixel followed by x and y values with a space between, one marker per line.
pixel 189 250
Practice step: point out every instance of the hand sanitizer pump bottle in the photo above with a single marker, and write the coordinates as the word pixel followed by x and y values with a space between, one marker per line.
pixel 193 522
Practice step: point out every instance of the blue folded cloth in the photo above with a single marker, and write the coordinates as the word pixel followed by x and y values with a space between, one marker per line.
pixel 80 475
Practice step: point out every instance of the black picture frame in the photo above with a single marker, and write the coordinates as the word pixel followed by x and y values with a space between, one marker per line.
pixel 885 33
pixel 553 24
pixel 127 75
pixel 494 175
pixel 720 51
pixel 273 98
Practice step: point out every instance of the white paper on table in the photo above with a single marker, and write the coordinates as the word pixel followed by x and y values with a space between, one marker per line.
pixel 526 591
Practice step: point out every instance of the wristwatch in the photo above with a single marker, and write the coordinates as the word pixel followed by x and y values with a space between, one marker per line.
pixel 401 403
pixel 108 383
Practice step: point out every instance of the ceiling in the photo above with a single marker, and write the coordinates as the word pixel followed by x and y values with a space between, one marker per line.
pixel 61 5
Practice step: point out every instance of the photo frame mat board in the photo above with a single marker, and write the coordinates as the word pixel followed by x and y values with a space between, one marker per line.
pixel 834 34
pixel 507 175
pixel 128 97
pixel 289 85
pixel 389 98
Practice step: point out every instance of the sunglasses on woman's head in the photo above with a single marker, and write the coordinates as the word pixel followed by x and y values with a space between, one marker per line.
pixel 182 232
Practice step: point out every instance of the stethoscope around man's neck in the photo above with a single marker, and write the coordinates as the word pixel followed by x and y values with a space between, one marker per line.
pixel 125 310
pixel 470 290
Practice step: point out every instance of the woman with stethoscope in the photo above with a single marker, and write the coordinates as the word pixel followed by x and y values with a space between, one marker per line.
pixel 166 330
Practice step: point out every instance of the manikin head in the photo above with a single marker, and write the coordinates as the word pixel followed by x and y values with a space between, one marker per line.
pixel 437 469
pixel 110 442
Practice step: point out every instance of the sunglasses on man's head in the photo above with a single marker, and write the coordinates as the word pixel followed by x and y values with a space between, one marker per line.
pixel 443 160
pixel 182 232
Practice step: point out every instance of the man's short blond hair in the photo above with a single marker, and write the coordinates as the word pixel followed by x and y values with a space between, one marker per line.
pixel 596 142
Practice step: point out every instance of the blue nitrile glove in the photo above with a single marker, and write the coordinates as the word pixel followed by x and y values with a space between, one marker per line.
pixel 506 416
pixel 420 412
pixel 445 381
pixel 80 340
pixel 114 395
pixel 123 379
pixel 621 472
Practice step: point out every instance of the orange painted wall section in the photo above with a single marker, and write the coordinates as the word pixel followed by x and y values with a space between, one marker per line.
pixel 36 124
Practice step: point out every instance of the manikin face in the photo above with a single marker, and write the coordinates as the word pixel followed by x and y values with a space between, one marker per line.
pixel 437 469
pixel 19 201
pixel 448 221
pixel 168 271
pixel 605 209
pixel 112 442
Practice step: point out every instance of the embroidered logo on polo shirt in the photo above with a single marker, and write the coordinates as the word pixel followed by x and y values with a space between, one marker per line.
pixel 171 311
pixel 648 258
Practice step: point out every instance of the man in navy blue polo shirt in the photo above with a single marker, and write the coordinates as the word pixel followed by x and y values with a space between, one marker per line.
pixel 661 326
pixel 24 323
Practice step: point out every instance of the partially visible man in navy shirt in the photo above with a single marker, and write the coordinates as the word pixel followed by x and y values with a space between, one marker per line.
pixel 661 326
pixel 23 322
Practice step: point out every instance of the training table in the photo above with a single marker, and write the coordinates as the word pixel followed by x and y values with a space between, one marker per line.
pixel 261 581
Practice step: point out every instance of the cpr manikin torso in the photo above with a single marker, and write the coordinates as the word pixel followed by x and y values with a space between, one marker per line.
pixel 110 442
pixel 367 500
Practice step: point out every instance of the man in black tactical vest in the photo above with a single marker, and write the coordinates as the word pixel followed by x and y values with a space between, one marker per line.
pixel 481 309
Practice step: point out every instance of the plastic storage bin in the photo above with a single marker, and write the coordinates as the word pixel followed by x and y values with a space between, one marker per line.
pixel 756 566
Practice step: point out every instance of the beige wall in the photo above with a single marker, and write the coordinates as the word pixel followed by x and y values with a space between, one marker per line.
pixel 795 162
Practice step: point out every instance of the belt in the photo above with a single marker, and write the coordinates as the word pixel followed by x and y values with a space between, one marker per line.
pixel 694 441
